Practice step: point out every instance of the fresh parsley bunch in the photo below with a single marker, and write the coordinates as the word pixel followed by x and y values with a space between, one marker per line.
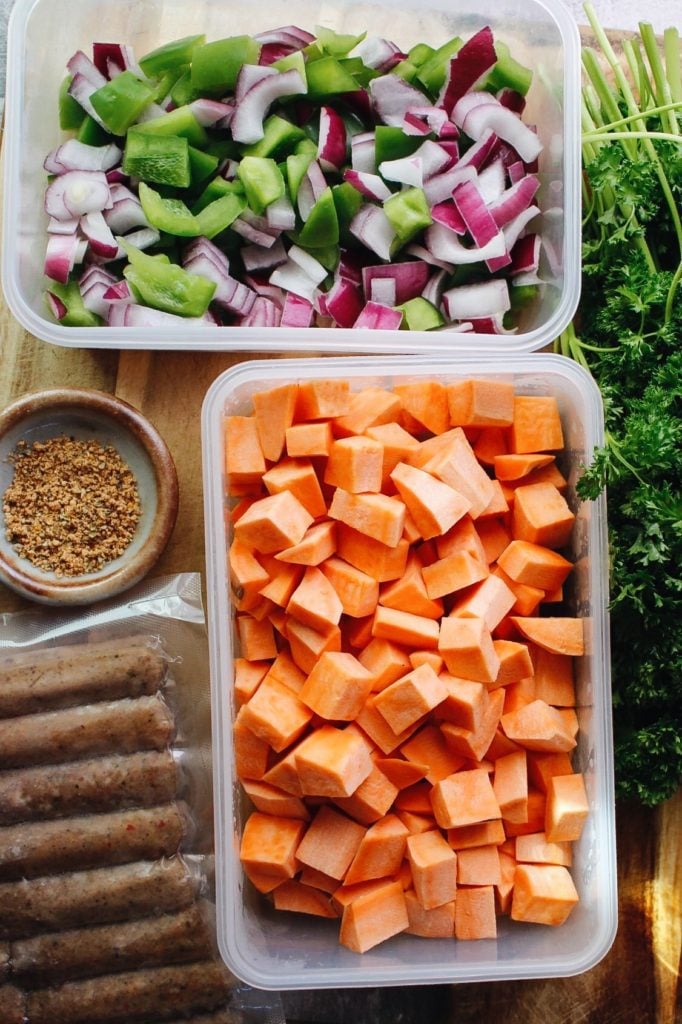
pixel 628 333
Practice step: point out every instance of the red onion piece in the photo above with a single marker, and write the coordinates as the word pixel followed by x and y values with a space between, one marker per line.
pixel 369 185
pixel 247 123
pixel 507 125
pixel 60 256
pixel 331 147
pixel 468 67
pixel 409 279
pixel 375 317
pixel 474 301
pixel 343 302
pixel 371 226
pixel 99 235
pixel 297 312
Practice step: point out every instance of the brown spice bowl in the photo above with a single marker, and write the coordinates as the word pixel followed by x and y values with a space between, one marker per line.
pixel 91 415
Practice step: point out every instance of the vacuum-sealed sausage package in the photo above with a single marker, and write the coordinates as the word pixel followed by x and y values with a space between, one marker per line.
pixel 106 817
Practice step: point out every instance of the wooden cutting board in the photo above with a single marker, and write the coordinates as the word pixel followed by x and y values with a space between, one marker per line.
pixel 637 982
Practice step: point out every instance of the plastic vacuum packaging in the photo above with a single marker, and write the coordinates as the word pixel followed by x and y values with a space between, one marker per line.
pixel 106 817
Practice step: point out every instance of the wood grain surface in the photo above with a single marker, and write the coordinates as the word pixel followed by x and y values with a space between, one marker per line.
pixel 636 983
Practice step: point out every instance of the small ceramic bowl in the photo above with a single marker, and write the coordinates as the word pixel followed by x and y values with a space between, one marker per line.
pixel 91 415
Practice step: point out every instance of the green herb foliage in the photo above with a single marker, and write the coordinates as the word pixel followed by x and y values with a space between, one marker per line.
pixel 628 333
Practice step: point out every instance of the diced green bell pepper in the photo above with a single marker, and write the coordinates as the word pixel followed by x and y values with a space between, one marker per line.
pixel 356 67
pixel 322 226
pixel 262 181
pixel 279 137
pixel 507 73
pixel 171 55
pixel 180 121
pixel 201 166
pixel 392 143
pixel 406 70
pixel 215 66
pixel 169 215
pixel 420 53
pixel 91 133
pixel 521 295
pixel 434 70
pixel 167 286
pixel 121 101
pixel 408 212
pixel 292 62
pixel 183 92
pixel 163 159
pixel 220 214
pixel 76 314
pixel 71 114
pixel 334 43
pixel 328 77
pixel 347 201
pixel 420 315
pixel 296 166
pixel 216 189
pixel 163 85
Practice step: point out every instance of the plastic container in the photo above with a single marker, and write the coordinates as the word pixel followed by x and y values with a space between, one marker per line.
pixel 43 34
pixel 270 949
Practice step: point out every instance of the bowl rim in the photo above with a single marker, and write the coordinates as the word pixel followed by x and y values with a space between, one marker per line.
pixel 81 589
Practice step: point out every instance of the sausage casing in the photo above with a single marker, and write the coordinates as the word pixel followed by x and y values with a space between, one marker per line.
pixel 60 677
pixel 149 942
pixel 104 895
pixel 12 1005
pixel 53 737
pixel 132 996
pixel 68 844
pixel 94 786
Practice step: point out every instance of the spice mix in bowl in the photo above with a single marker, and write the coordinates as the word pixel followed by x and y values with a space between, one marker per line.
pixel 89 496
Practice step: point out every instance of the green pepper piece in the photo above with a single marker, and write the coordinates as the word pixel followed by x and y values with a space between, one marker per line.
pixel 180 121
pixel 169 215
pixel 408 212
pixel 356 67
pixel 163 159
pixel 183 92
pixel 521 295
pixel 166 286
pixel 406 70
pixel 216 189
pixel 322 226
pixel 292 62
pixel 334 43
pixel 262 181
pixel 420 53
pixel 201 166
pixel 347 201
pixel 392 143
pixel 121 101
pixel 296 166
pixel 171 55
pixel 76 314
pixel 91 133
pixel 507 73
pixel 215 66
pixel 279 137
pixel 71 114
pixel 328 77
pixel 163 85
pixel 305 146
pixel 419 315
pixel 218 215
pixel 433 72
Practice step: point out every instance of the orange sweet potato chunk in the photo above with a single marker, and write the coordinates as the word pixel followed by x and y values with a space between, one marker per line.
pixel 543 894
pixel 269 844
pixel 536 426
pixel 330 843
pixel 381 851
pixel 434 506
pixel 337 687
pixel 273 523
pixel 374 917
pixel 541 516
pixel 302 899
pixel 274 412
pixel 411 697
pixel 567 807
pixel 464 798
pixel 434 869
pixel 475 913
pixel 377 516
pixel 355 464
pixel 332 762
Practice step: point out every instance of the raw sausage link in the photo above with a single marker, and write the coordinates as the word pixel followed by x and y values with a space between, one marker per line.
pixel 132 996
pixel 61 677
pixel 219 1017
pixel 82 787
pixel 4 960
pixel 12 1005
pixel 120 727
pixel 151 942
pixel 104 895
pixel 48 847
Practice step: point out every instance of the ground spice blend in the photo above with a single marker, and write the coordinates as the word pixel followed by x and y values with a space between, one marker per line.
pixel 72 506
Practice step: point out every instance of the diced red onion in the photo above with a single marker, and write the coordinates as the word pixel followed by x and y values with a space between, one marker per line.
pixel 247 123
pixel 392 97
pixel 230 293
pixel 378 53
pixel 143 238
pixel 409 278
pixel 474 301
pixel 75 193
pixel 447 213
pixel 254 229
pixel 93 294
pixel 81 89
pixel 433 290
pixel 119 292
pixel 467 103
pixel 312 267
pixel 369 185
pixel 507 125
pixel 375 317
pixel 210 112
pixel 116 176
pixel 427 257
pixel 297 312
pixel 99 235
pixel 407 170
pixel 134 315
pixel 202 246
pixel 331 146
pixel 80 64
pixel 492 181
pixel 512 99
pixel 474 212
pixel 60 256
pixel 446 246
pixel 526 255
pixel 62 227
pixel 291 277
pixel 343 302
pixel 150 113
pixel 289 35
pixel 57 307
pixel 73 155
pixel 261 286
pixel 477 155
pixel 514 200
pixel 126 211
pixel 491 325
pixel 250 75
pixel 350 266
pixel 362 152
pixel 271 52
pixel 259 257
pixel 382 291
pixel 468 67
pixel 263 313
pixel 371 226
pixel 281 215
pixel 442 186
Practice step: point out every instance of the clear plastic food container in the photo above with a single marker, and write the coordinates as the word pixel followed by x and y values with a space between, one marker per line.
pixel 270 949
pixel 43 35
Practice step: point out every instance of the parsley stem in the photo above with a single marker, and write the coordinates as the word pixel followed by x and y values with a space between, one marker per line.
pixel 661 86
pixel 650 111
pixel 670 301
pixel 673 70
pixel 618 136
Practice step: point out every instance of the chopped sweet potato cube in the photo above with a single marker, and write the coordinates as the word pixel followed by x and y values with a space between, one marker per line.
pixel 434 869
pixel 516 467
pixel 481 403
pixel 401 772
pixel 510 786
pixel 371 800
pixel 397 444
pixel 271 800
pixel 358 592
pixel 273 523
pixel 248 675
pixel 474 743
pixel 381 851
pixel 541 516
pixel 315 603
pixel 535 565
pixel 535 848
pixel 332 762
pixel 426 402
pixel 274 412
pixel 276 714
pixel 307 644
pixel 467 648
pixel 330 843
pixel 385 660
pixel 269 844
pixel 428 747
pixel 554 677
pixel 475 913
pixel 437 923
pixel 337 687
pixel 374 917
pixel 297 477
pixel 515 662
pixel 537 726
pixel 558 635
pixel 305 440
pixel 453 573
pixel 536 426
pixel 367 408
pixel 322 399
pixel 378 560
pixel 244 460
pixel 250 752
pixel 374 515
pixel 317 545
pixel 355 464
pixel 543 894
pixel 482 833
pixel 454 463
pixel 464 799
pixel 567 807
pixel 434 506
pixel 479 865
pixel 377 728
pixel 256 639
pixel 302 899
